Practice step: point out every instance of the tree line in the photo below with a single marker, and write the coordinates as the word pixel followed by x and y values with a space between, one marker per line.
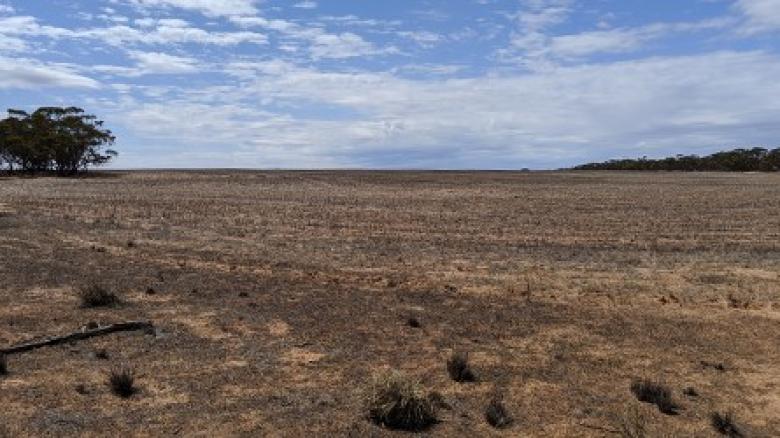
pixel 53 139
pixel 738 160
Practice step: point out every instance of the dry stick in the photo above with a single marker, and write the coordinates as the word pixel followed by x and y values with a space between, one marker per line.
pixel 80 335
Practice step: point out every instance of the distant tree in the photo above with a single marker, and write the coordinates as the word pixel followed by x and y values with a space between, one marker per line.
pixel 771 162
pixel 65 140
pixel 737 160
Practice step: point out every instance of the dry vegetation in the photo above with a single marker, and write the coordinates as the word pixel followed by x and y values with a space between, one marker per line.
pixel 277 296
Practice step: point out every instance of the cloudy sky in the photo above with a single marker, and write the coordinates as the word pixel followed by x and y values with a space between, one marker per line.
pixel 401 83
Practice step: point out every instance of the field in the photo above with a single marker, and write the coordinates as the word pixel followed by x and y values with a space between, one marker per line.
pixel 278 295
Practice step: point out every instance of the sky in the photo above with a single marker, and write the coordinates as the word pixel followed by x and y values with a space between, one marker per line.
pixel 437 84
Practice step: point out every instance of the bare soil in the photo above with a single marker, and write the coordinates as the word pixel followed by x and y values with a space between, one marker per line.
pixel 277 295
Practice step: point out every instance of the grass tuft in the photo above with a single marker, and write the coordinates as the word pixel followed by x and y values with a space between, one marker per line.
pixel 725 424
pixel 396 402
pixel 96 296
pixel 122 383
pixel 459 368
pixel 655 393
pixel 497 415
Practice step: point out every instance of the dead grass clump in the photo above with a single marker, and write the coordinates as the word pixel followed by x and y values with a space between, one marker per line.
pixel 97 296
pixel 396 402
pixel 497 415
pixel 459 368
pixel 725 424
pixel 122 382
pixel 655 393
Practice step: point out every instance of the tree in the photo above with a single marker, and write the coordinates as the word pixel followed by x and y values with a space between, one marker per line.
pixel 65 140
pixel 737 160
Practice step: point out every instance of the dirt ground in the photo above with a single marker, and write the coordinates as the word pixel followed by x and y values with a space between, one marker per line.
pixel 278 295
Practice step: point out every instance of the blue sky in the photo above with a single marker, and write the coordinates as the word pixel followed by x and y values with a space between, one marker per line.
pixel 440 84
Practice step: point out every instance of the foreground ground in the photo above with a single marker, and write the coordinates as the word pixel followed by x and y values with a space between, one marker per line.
pixel 278 295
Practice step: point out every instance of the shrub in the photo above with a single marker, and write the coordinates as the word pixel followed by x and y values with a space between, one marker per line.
pixel 725 424
pixel 655 393
pixel 396 402
pixel 459 369
pixel 122 382
pixel 413 322
pixel 497 415
pixel 96 296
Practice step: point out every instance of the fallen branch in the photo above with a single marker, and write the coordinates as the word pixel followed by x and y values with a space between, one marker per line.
pixel 85 333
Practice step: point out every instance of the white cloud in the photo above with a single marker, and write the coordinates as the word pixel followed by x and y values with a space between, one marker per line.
pixel 163 31
pixel 625 39
pixel 321 44
pixel 538 15
pixel 29 26
pixel 651 106
pixel 423 38
pixel 33 74
pixel 11 45
pixel 344 45
pixel 213 8
pixel 307 4
pixel 148 63
pixel 761 15
pixel 155 62
pixel 539 49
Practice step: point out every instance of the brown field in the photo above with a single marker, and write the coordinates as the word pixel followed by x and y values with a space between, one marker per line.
pixel 279 294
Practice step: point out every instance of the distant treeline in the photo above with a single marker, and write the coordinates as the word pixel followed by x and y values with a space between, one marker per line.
pixel 51 139
pixel 737 160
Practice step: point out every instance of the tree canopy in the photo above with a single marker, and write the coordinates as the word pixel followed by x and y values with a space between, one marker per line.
pixel 737 160
pixel 62 140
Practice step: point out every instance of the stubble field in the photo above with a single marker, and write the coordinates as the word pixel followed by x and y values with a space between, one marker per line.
pixel 278 295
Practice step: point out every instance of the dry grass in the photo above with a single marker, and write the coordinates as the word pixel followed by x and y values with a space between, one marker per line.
pixel 122 382
pixel 657 394
pixel 395 401
pixel 278 293
pixel 634 423
pixel 459 368
pixel 497 415
pixel 96 296
pixel 726 424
